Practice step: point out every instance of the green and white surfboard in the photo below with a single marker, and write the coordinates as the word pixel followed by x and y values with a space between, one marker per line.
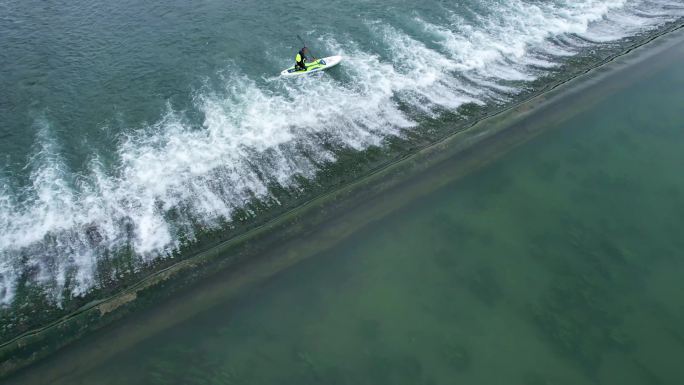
pixel 314 66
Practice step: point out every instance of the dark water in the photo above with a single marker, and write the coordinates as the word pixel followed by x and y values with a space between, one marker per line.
pixel 560 263
pixel 128 128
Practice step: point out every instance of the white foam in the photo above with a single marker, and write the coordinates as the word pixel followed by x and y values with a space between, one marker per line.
pixel 509 42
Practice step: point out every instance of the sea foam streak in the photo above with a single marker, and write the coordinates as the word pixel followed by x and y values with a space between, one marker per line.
pixel 64 224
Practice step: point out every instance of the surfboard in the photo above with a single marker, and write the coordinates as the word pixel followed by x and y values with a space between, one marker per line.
pixel 314 66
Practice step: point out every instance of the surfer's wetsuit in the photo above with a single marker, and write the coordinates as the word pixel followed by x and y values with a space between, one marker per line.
pixel 300 61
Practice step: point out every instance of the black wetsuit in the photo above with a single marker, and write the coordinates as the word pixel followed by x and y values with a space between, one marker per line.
pixel 300 60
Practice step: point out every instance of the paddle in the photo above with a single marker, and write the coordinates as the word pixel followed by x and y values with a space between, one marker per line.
pixel 304 44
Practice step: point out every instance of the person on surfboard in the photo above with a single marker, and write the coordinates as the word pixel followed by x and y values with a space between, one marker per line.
pixel 301 59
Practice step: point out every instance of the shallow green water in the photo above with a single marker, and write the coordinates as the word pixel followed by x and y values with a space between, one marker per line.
pixel 561 263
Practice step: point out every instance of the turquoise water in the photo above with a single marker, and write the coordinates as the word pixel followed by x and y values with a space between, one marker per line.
pixel 131 129
pixel 560 263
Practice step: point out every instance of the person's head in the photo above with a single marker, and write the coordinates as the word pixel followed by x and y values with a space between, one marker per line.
pixel 305 50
